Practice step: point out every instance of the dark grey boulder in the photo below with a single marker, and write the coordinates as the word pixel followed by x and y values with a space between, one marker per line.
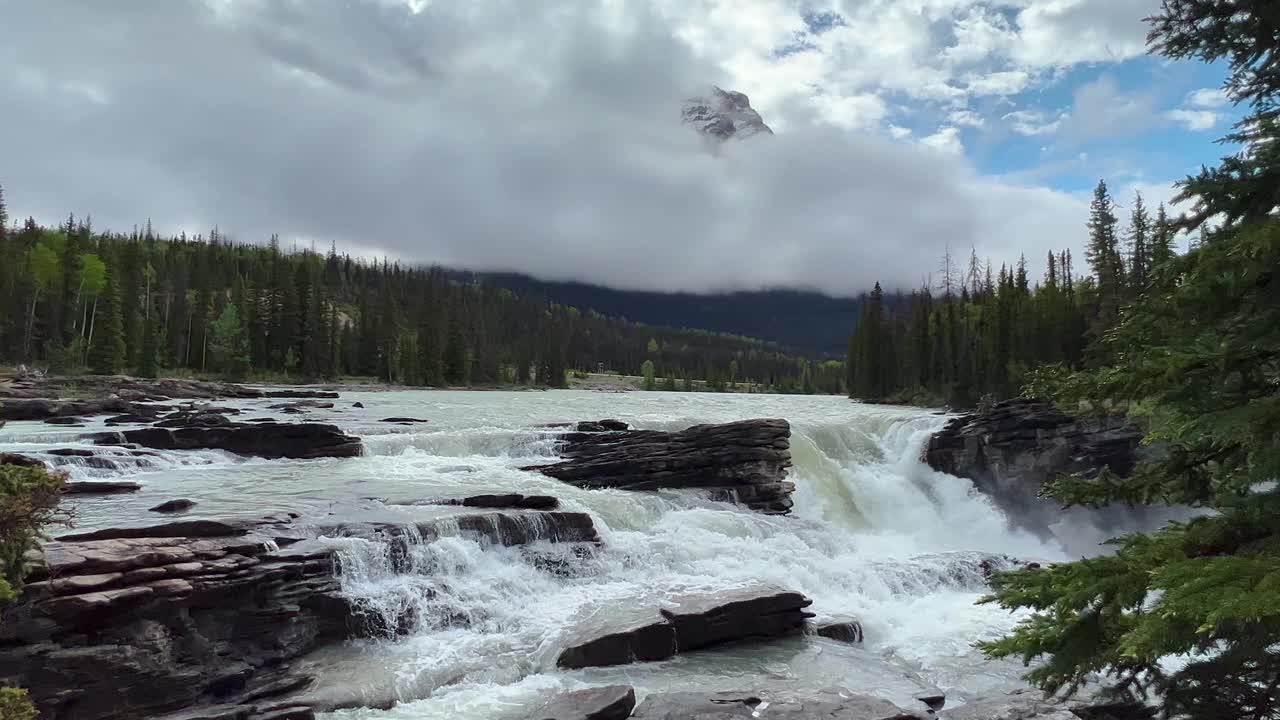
pixel 266 440
pixel 611 702
pixel 99 487
pixel 70 452
pixel 690 622
pixel 172 506
pixel 843 630
pixel 743 462
pixel 403 420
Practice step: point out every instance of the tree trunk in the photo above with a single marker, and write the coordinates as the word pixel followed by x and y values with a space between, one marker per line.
pixel 31 326
pixel 93 321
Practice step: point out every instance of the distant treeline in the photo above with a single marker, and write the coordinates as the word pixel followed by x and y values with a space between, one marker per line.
pixel 76 299
pixel 975 335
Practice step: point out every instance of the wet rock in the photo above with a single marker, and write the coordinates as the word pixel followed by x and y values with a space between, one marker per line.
pixel 611 702
pixel 601 426
pixel 689 623
pixel 301 394
pixel 124 628
pixel 184 418
pixel 64 420
pixel 266 440
pixel 842 630
pixel 70 452
pixel 20 460
pixel 933 699
pixel 178 529
pixel 527 502
pixel 47 409
pixel 171 506
pixel 728 705
pixel 130 419
pixel 301 405
pixel 646 639
pixel 1010 451
pixel 402 420
pixel 357 405
pixel 99 487
pixel 743 462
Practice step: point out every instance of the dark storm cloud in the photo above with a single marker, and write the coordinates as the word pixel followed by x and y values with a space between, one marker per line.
pixel 529 136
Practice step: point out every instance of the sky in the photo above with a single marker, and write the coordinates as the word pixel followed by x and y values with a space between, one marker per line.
pixel 545 137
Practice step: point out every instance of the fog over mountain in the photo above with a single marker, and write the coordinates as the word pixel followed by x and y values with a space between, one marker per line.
pixel 543 138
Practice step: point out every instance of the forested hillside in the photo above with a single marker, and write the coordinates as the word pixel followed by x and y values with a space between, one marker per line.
pixel 981 330
pixel 808 322
pixel 74 298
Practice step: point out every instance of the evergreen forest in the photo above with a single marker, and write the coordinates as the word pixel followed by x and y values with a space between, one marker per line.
pixel 80 300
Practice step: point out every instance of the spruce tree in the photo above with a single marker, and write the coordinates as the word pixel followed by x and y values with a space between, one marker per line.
pixel 107 351
pixel 1199 355
pixel 1161 238
pixel 1139 241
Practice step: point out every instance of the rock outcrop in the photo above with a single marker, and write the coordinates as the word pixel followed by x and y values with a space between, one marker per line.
pixel 265 440
pixel 728 705
pixel 692 623
pixel 724 114
pixel 743 462
pixel 1012 450
pixel 102 487
pixel 205 618
pixel 611 702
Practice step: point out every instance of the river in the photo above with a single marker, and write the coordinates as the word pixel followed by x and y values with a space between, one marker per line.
pixel 875 535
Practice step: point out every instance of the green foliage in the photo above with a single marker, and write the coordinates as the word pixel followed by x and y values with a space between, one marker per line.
pixel 1199 355
pixel 93 274
pixel 42 265
pixel 106 347
pixel 28 501
pixel 14 705
pixel 647 370
pixel 228 344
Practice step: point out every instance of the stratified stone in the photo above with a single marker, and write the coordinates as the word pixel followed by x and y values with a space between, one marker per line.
pixel 743 462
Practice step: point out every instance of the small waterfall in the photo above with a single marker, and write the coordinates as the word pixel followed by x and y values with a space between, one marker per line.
pixel 486 442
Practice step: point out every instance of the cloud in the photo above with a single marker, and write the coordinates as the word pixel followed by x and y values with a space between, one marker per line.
pixel 1101 110
pixel 966 117
pixel 1009 82
pixel 1200 110
pixel 1194 120
pixel 541 137
pixel 1207 98
pixel 1033 122
pixel 946 139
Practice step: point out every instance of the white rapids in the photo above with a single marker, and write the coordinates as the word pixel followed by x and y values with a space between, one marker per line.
pixel 875 535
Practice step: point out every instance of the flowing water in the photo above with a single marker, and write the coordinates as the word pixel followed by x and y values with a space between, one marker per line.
pixel 875 535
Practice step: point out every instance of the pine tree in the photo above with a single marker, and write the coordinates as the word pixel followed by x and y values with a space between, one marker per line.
pixel 1139 245
pixel 107 351
pixel 1199 356
pixel 1161 238
pixel 149 353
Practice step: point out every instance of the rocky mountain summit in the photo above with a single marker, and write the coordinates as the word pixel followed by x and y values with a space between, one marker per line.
pixel 724 114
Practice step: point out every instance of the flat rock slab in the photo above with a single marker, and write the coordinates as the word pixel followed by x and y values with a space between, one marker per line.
pixel 265 440
pixel 103 487
pixel 725 706
pixel 691 622
pixel 611 702
pixel 743 462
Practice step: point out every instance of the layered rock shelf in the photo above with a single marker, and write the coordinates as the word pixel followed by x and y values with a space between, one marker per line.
pixel 1010 451
pixel 743 462
pixel 205 618
pixel 265 440
pixel 692 623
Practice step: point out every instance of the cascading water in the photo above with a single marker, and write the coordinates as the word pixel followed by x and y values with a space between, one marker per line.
pixel 471 629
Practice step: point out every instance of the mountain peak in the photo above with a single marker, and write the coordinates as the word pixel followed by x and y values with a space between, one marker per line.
pixel 724 114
